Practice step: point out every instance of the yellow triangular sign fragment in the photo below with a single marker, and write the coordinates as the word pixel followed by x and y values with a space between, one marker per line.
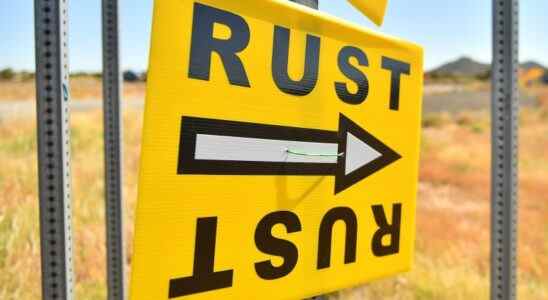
pixel 373 9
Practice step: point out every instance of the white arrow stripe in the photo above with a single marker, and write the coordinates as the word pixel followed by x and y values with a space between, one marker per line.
pixel 232 148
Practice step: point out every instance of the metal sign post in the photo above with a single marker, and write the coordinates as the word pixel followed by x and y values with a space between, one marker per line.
pixel 505 107
pixel 113 152
pixel 52 97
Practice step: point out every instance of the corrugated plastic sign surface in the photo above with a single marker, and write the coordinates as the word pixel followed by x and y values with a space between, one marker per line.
pixel 280 153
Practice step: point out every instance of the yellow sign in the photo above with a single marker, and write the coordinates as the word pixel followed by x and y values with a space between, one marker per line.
pixel 280 153
pixel 375 10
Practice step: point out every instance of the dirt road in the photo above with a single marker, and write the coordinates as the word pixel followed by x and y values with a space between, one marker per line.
pixel 24 109
pixel 434 103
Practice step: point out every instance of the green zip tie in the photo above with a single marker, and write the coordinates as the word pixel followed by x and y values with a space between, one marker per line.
pixel 294 152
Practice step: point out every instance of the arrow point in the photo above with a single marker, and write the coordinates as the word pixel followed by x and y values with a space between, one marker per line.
pixel 363 156
pixel 358 154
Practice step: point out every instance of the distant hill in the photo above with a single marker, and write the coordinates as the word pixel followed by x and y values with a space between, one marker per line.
pixel 528 65
pixel 462 67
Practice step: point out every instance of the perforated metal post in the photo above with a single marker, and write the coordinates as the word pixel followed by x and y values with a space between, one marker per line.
pixel 52 96
pixel 113 152
pixel 504 188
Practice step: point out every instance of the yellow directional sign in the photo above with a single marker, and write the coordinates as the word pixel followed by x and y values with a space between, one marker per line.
pixel 280 153
pixel 375 10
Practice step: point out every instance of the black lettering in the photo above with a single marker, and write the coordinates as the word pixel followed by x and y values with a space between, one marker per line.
pixel 204 44
pixel 397 68
pixel 266 243
pixel 280 57
pixel 326 231
pixel 385 229
pixel 354 74
pixel 204 278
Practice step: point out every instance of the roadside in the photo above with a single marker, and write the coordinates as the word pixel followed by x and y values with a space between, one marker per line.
pixel 82 88
pixel 467 101
pixel 17 96
pixel 454 102
pixel 16 109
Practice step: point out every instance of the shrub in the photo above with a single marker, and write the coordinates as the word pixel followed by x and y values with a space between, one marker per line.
pixel 435 120
pixel 130 76
pixel 7 74
pixel 465 119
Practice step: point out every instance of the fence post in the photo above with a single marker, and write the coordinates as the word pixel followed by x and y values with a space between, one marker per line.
pixel 112 122
pixel 504 186
pixel 52 110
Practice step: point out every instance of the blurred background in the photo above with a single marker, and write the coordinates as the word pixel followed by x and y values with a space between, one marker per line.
pixel 452 259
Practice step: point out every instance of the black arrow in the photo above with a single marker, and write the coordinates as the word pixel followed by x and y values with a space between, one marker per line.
pixel 220 147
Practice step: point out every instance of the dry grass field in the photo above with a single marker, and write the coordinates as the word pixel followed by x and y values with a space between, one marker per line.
pixel 452 260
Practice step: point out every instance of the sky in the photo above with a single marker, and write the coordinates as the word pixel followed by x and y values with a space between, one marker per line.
pixel 446 29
